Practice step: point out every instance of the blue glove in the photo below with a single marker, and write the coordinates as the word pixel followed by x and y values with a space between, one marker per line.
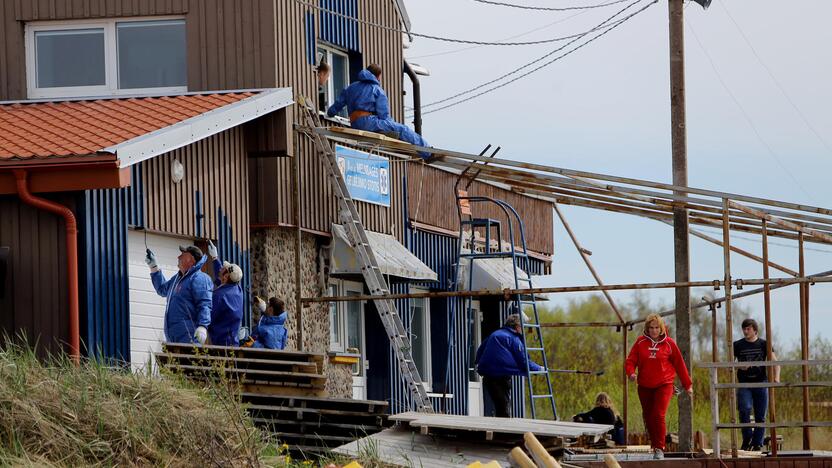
pixel 212 250
pixel 150 259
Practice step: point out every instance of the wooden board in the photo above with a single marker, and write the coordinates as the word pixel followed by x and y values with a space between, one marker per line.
pixel 213 350
pixel 400 446
pixel 267 389
pixel 237 362
pixel 358 406
pixel 539 428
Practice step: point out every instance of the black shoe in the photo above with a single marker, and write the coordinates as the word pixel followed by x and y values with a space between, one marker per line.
pixel 756 448
pixel 745 446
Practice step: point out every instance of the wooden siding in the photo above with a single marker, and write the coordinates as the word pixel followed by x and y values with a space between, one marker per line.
pixel 432 201
pixel 217 169
pixel 35 302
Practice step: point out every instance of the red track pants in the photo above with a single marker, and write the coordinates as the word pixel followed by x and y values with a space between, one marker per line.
pixel 654 403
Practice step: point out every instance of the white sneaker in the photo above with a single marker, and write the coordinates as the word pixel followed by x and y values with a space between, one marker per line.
pixel 658 454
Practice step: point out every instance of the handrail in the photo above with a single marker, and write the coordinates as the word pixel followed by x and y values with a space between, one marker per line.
pixel 799 362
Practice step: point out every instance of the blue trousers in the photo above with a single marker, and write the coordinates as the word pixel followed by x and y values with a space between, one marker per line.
pixel 755 399
pixel 371 123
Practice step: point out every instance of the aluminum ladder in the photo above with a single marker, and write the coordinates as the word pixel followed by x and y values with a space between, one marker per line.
pixel 534 346
pixel 357 237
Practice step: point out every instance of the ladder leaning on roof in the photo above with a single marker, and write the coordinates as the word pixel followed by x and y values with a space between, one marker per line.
pixel 350 218
pixel 533 346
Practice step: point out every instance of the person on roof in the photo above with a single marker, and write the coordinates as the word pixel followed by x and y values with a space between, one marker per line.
pixel 501 356
pixel 370 110
pixel 658 360
pixel 227 309
pixel 188 293
pixel 271 331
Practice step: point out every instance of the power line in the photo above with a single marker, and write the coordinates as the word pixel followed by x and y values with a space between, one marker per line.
pixel 546 64
pixel 525 33
pixel 776 82
pixel 527 7
pixel 539 59
pixel 744 113
pixel 759 241
pixel 446 39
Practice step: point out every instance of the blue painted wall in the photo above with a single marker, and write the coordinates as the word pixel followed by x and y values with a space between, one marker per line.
pixel 340 30
pixel 103 266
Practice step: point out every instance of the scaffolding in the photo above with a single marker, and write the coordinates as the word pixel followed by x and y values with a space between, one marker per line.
pixel 657 201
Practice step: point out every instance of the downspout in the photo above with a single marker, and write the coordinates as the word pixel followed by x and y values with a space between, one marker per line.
pixel 71 256
pixel 417 97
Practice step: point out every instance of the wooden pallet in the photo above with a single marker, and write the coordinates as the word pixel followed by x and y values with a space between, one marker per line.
pixel 248 353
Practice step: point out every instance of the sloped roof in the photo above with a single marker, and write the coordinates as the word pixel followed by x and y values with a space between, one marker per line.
pixel 129 129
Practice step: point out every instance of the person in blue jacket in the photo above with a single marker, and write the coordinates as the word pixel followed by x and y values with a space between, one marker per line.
pixel 369 108
pixel 501 356
pixel 227 309
pixel 188 293
pixel 271 331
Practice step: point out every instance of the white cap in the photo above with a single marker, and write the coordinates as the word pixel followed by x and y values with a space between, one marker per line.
pixel 235 273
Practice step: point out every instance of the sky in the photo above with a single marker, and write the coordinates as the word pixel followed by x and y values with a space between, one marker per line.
pixel 758 121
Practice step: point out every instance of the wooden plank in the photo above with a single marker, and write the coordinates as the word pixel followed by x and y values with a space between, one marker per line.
pixel 237 361
pixel 504 426
pixel 267 389
pixel 315 411
pixel 320 426
pixel 259 352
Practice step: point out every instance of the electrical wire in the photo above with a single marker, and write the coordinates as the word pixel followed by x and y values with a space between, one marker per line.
pixel 744 113
pixel 535 8
pixel 759 241
pixel 445 39
pixel 546 64
pixel 539 59
pixel 525 33
pixel 776 82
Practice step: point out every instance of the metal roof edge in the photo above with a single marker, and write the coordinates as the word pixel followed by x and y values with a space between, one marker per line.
pixel 135 96
pixel 201 126
pixel 403 13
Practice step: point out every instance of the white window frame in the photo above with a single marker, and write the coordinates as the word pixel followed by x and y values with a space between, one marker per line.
pixel 328 51
pixel 428 377
pixel 338 323
pixel 110 87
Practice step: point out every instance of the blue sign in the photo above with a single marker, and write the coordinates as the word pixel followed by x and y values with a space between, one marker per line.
pixel 367 175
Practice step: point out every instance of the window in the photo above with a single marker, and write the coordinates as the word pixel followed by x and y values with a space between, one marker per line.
pixel 355 331
pixel 339 78
pixel 420 336
pixel 105 57
pixel 336 340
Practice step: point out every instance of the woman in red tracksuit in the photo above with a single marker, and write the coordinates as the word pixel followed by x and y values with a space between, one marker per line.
pixel 658 360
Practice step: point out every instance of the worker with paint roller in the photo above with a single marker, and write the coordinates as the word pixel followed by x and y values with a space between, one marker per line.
pixel 499 357
pixel 188 293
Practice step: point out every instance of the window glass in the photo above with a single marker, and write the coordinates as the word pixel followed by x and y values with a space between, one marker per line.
pixel 70 58
pixel 340 77
pixel 151 54
pixel 419 339
pixel 335 341
pixel 355 331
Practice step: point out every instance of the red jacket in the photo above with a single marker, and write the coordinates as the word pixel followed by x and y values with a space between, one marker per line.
pixel 657 362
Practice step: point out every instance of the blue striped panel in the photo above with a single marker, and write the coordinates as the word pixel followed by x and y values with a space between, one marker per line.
pixel 230 251
pixel 135 197
pixel 339 30
pixel 105 282
pixel 310 38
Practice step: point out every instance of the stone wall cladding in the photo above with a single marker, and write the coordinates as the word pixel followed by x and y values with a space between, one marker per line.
pixel 273 274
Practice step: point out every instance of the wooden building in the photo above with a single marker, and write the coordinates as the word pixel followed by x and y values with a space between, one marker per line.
pixel 238 187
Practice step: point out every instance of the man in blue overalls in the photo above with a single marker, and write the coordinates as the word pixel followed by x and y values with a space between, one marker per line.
pixel 370 110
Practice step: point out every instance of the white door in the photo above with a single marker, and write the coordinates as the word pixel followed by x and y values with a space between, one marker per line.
pixel 475 401
pixel 147 309
pixel 355 340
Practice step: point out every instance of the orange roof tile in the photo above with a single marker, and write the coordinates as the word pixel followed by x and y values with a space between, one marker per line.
pixel 60 129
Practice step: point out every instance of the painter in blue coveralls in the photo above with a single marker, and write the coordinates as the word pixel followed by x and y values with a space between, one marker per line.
pixel 227 310
pixel 370 110
pixel 188 293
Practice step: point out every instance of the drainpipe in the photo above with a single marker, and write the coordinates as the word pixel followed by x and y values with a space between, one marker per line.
pixel 417 97
pixel 71 256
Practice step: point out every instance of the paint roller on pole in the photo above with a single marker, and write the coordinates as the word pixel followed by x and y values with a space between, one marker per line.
pixel 577 371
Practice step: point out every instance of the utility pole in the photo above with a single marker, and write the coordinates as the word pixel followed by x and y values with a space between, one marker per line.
pixel 681 251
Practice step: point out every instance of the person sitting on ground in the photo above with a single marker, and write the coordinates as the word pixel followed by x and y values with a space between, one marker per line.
pixel 188 294
pixel 271 330
pixel 227 312
pixel 370 110
pixel 604 413
pixel 499 357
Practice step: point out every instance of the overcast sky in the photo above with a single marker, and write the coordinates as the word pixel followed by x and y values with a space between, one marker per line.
pixel 605 109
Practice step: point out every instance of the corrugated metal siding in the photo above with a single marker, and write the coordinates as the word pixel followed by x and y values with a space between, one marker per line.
pixel 311 47
pixel 135 197
pixel 104 278
pixel 36 302
pixel 432 201
pixel 216 168
pixel 231 251
pixel 336 29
